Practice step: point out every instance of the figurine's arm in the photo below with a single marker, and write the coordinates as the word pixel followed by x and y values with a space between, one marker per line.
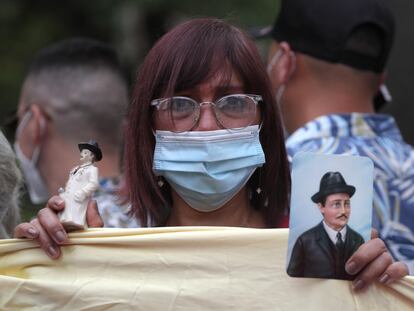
pixel 91 186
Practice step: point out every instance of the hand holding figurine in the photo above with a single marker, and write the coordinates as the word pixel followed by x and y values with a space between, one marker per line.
pixel 73 209
pixel 47 229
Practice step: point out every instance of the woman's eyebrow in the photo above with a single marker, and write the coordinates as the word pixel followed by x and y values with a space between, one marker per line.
pixel 217 89
pixel 229 88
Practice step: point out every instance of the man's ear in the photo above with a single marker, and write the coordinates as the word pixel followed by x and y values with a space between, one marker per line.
pixel 281 63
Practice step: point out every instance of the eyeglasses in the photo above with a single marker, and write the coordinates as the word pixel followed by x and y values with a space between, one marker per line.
pixel 235 111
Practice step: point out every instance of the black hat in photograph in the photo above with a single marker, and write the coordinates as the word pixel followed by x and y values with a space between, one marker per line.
pixel 92 146
pixel 331 183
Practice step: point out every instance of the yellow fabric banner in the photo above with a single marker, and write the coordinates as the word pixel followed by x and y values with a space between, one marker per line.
pixel 177 268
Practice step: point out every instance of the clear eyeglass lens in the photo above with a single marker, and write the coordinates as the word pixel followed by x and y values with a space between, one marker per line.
pixel 181 113
pixel 236 111
pixel 178 113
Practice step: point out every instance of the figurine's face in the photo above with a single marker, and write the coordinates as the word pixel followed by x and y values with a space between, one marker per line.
pixel 86 156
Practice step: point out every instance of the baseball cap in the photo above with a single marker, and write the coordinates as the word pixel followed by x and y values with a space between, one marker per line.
pixel 323 28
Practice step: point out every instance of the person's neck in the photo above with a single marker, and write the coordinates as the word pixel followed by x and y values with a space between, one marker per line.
pixel 312 102
pixel 235 213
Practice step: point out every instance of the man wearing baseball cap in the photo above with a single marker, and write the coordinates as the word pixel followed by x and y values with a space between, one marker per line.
pixel 322 251
pixel 327 64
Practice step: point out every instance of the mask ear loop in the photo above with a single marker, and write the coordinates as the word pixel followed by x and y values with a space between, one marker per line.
pixel 36 152
pixel 274 60
pixel 281 89
pixel 23 124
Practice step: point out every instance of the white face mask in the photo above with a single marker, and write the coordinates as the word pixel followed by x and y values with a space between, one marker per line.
pixel 35 184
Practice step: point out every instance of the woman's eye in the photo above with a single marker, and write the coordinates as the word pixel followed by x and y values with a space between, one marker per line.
pixel 233 104
pixel 181 105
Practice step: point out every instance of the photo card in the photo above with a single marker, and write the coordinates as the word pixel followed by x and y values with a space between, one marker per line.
pixel 330 213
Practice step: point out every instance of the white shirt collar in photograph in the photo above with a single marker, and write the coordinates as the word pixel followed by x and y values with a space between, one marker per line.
pixel 332 233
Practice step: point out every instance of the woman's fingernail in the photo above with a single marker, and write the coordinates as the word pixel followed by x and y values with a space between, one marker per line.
pixel 358 285
pixel 351 268
pixel 384 278
pixel 32 232
pixel 60 236
pixel 52 251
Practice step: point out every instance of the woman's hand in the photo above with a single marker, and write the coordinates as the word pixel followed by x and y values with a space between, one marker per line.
pixel 372 262
pixel 48 230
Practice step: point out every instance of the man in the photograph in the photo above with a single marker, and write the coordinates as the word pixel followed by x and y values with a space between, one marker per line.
pixel 322 251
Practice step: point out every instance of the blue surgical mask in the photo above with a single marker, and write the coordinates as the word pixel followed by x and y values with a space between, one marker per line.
pixel 36 186
pixel 208 168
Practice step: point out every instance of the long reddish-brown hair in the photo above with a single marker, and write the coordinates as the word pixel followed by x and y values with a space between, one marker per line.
pixel 188 55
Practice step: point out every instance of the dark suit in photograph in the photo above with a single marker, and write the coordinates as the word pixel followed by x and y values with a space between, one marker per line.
pixel 315 256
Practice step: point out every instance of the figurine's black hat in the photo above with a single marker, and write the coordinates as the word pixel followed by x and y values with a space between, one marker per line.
pixel 332 182
pixel 93 147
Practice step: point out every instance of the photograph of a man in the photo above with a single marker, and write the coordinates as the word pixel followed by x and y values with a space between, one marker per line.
pixel 321 252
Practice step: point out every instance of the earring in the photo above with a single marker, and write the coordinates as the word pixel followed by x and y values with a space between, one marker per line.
pixel 160 182
pixel 259 189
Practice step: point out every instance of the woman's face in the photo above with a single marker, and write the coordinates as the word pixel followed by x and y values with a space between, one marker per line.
pixel 206 93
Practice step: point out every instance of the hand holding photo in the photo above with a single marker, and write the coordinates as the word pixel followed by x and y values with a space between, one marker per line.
pixel 323 235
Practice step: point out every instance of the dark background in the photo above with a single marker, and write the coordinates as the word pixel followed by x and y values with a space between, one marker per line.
pixel 401 69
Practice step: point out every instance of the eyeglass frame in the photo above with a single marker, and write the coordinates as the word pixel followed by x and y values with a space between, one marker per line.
pixel 255 98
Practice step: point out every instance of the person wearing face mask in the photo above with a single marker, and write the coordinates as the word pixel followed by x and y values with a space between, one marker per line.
pixel 327 66
pixel 204 143
pixel 74 90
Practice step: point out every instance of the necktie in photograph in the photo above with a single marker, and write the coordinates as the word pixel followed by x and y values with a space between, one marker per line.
pixel 339 243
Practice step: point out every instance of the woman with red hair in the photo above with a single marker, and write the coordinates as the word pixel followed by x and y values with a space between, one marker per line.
pixel 205 76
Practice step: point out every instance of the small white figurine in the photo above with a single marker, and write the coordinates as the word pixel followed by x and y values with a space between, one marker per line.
pixel 82 182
